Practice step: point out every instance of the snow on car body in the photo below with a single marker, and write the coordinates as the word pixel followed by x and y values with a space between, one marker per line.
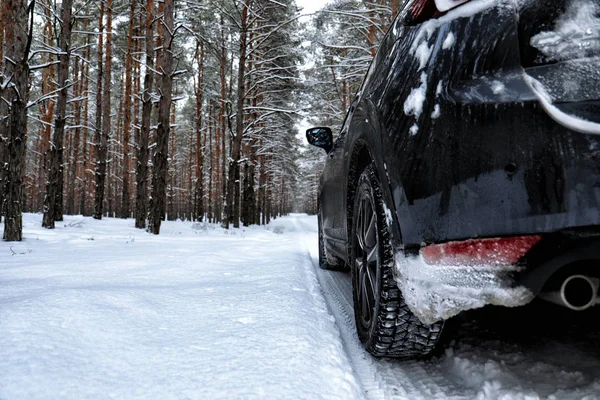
pixel 477 130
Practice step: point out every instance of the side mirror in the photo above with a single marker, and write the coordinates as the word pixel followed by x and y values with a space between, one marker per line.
pixel 320 137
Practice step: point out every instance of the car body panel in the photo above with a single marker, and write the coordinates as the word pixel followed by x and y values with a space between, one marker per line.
pixel 484 158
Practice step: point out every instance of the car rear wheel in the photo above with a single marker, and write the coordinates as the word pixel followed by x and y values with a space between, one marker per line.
pixel 385 324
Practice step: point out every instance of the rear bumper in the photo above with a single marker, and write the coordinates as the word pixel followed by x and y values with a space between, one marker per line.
pixel 435 292
pixel 577 249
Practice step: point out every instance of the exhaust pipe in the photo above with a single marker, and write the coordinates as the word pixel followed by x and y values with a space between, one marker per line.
pixel 577 292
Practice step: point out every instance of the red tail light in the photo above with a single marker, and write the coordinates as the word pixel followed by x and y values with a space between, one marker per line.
pixel 423 10
pixel 480 252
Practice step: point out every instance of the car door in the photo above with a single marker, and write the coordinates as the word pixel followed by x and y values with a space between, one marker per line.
pixel 333 195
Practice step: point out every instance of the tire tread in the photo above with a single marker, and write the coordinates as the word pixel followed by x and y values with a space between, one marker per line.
pixel 398 332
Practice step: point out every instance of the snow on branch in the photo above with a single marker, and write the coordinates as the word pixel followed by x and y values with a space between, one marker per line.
pixel 42 66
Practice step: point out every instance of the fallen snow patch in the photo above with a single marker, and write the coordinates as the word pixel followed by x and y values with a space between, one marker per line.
pixel 414 102
pixel 437 112
pixel 423 53
pixel 448 42
pixel 414 129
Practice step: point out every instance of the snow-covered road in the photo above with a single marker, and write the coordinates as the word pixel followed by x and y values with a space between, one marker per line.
pixel 98 309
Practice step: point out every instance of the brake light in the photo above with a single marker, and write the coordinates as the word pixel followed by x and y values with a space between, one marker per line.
pixel 445 5
pixel 495 252
pixel 422 10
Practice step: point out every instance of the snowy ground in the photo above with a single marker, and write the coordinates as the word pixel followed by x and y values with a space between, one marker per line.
pixel 100 310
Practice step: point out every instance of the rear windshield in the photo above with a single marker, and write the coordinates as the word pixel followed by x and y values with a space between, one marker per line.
pixel 551 31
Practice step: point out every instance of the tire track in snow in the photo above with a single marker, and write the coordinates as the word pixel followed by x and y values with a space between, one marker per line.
pixel 364 371
pixel 376 385
pixel 397 379
pixel 486 360
pixel 380 378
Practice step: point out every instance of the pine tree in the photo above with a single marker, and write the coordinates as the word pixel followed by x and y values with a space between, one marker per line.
pixel 103 131
pixel 53 202
pixel 15 89
pixel 161 151
pixel 144 132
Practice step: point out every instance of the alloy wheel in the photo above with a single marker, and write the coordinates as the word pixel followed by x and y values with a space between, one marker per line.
pixel 366 259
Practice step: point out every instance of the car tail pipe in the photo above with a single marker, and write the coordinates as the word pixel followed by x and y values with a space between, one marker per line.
pixel 577 292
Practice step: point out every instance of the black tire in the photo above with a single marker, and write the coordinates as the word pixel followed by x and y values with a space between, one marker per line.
pixel 323 263
pixel 385 325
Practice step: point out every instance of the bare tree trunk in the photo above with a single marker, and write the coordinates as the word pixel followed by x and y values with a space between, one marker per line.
pixel 47 108
pixel 268 203
pixel 164 127
pixel 199 190
pixel 53 201
pixel 211 166
pixel 233 192
pixel 141 207
pixel 83 195
pixel 100 165
pixel 171 173
pixel 114 174
pixel 222 132
pixel 125 206
pixel 249 199
pixel 372 29
pixel 103 131
pixel 263 191
pixel 3 113
pixel 395 8
pixel 74 143
pixel 17 38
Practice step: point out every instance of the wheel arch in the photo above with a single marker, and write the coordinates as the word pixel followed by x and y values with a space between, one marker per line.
pixel 361 155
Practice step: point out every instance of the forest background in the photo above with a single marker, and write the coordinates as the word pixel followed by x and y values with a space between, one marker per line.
pixel 189 109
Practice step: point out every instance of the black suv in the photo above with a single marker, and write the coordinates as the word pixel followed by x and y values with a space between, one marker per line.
pixel 467 170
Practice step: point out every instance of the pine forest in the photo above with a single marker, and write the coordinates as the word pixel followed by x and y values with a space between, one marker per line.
pixel 173 109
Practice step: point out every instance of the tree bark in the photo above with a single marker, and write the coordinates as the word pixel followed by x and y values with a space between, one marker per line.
pixel 73 147
pixel 17 38
pixel 248 205
pixel 3 113
pixel 53 202
pixel 125 206
pixel 83 195
pixel 211 164
pixel 103 130
pixel 46 108
pixel 199 189
pixel 395 8
pixel 233 193
pixel 141 207
pixel 171 173
pixel 221 169
pixel 159 177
